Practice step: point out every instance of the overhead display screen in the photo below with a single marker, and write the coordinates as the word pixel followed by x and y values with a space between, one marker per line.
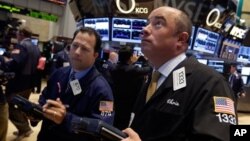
pixel 100 24
pixel 245 71
pixel 28 12
pixel 206 41
pixel 218 65
pixel 203 61
pixel 229 49
pixel 244 54
pixel 127 30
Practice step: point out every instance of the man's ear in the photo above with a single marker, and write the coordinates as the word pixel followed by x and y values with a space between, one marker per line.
pixel 182 39
pixel 96 54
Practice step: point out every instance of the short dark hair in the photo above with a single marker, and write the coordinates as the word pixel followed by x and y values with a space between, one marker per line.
pixel 124 54
pixel 233 65
pixel 25 31
pixel 90 31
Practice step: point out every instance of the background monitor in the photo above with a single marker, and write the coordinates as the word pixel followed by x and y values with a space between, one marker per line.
pixel 206 41
pixel 100 24
pixel 127 30
pixel 218 65
pixel 245 71
pixel 137 51
pixel 230 49
pixel 244 54
pixel 2 50
pixel 244 78
pixel 203 61
pixel 34 41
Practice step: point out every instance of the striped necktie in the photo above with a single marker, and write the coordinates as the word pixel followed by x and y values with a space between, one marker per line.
pixel 153 84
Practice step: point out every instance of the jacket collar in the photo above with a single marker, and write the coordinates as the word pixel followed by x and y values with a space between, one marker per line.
pixel 189 64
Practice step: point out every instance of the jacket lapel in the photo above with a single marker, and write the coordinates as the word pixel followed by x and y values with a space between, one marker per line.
pixel 167 85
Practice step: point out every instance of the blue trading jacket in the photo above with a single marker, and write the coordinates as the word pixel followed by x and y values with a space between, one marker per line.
pixel 95 89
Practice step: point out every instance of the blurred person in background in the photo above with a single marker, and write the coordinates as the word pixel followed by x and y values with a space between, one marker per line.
pixel 4 110
pixel 236 81
pixel 61 58
pixel 127 82
pixel 39 74
pixel 4 114
pixel 104 67
pixel 113 57
pixel 23 61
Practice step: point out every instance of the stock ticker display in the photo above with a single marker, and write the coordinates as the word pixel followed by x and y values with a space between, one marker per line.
pixel 127 30
pixel 206 41
pixel 100 24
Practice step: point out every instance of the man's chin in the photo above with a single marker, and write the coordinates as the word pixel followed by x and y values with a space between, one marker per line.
pixel 146 44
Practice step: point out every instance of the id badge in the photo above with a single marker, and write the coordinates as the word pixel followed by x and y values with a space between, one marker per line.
pixel 65 64
pixel 76 87
pixel 179 79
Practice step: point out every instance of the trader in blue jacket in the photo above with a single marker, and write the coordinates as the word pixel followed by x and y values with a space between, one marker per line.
pixel 76 91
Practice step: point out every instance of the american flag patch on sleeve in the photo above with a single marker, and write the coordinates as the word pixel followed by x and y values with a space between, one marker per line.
pixel 224 105
pixel 106 106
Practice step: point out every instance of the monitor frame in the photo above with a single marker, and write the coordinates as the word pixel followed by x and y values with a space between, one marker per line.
pixel 207 40
pixel 99 26
pixel 220 68
pixel 203 61
pixel 244 54
pixel 129 29
pixel 35 41
pixel 245 71
pixel 229 49
pixel 244 79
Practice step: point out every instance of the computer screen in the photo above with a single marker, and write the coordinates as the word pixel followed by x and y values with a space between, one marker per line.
pixel 191 38
pixel 137 51
pixel 229 49
pixel 203 61
pixel 245 71
pixel 34 41
pixel 127 29
pixel 100 24
pixel 2 50
pixel 206 41
pixel 218 65
pixel 244 78
pixel 244 54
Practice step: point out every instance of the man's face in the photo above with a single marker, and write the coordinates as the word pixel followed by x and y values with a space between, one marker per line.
pixel 232 69
pixel 82 54
pixel 159 38
pixel 19 36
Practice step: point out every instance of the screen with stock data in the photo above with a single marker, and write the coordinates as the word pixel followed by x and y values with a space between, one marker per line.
pixel 127 30
pixel 100 24
pixel 206 41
